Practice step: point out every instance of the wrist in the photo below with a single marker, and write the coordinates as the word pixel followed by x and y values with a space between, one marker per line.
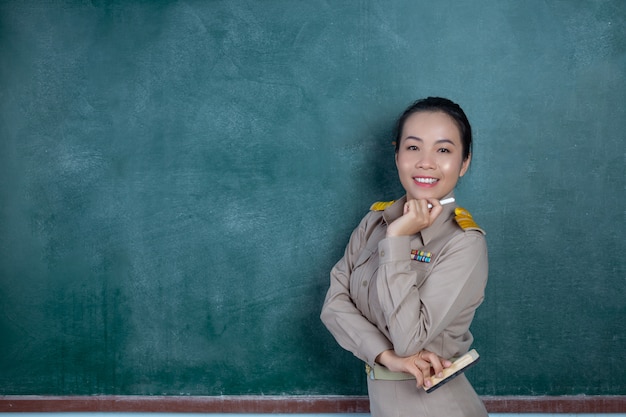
pixel 384 357
pixel 394 249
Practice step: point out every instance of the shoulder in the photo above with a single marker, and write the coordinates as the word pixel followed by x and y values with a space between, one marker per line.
pixel 469 239
pixel 381 205
pixel 465 220
pixel 369 224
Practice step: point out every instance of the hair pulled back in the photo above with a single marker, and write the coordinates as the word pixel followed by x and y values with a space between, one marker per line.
pixel 438 104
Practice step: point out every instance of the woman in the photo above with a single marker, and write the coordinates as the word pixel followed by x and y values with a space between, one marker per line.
pixel 404 294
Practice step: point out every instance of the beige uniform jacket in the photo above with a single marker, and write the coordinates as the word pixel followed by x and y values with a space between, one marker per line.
pixel 380 298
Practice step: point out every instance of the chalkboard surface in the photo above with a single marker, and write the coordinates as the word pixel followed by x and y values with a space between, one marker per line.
pixel 177 178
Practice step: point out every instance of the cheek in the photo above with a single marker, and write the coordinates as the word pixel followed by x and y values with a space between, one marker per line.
pixel 451 167
pixel 402 162
pixel 448 165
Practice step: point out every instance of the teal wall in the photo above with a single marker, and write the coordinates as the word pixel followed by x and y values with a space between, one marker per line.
pixel 178 177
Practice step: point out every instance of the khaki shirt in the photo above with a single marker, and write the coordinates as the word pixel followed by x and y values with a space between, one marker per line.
pixel 379 298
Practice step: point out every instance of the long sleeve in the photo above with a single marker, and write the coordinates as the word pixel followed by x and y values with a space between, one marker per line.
pixel 418 310
pixel 352 330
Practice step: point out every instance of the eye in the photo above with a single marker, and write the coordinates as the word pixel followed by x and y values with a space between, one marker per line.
pixel 412 148
pixel 444 150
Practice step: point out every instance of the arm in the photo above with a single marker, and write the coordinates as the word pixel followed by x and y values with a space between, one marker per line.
pixel 345 322
pixel 357 334
pixel 418 310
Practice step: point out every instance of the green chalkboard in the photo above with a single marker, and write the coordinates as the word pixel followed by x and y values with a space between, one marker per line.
pixel 178 178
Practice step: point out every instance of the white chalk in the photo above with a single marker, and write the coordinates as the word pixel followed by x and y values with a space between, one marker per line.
pixel 443 202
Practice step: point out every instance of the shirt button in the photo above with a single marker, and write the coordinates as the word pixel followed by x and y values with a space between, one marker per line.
pixel 382 253
pixel 364 283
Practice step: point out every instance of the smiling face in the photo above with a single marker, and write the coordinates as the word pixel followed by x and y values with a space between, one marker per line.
pixel 430 155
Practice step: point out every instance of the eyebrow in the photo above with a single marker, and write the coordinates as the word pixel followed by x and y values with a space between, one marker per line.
pixel 444 140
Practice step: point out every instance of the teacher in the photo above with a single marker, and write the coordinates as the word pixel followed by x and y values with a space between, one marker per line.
pixel 404 294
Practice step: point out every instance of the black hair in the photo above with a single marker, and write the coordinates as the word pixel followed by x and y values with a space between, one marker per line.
pixel 438 104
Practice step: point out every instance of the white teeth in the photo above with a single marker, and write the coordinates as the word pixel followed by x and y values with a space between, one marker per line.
pixel 426 180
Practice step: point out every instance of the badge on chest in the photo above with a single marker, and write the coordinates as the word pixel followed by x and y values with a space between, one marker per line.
pixel 421 256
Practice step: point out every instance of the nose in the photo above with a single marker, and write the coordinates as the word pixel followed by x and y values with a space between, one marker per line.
pixel 425 161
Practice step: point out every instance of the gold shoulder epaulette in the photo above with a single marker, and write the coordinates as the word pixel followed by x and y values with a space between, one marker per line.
pixel 381 205
pixel 465 220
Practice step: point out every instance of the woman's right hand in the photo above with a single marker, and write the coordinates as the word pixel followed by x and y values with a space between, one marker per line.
pixel 417 216
pixel 422 365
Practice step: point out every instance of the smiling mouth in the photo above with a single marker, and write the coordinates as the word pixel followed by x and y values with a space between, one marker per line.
pixel 427 181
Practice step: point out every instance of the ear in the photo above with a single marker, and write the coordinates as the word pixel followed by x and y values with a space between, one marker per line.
pixel 465 165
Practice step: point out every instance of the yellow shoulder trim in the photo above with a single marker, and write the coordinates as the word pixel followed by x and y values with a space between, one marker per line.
pixel 465 220
pixel 381 205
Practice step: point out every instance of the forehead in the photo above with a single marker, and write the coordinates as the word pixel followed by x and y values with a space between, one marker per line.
pixel 431 124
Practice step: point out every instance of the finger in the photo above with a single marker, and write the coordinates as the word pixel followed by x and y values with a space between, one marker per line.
pixel 419 378
pixel 424 367
pixel 432 202
pixel 425 371
pixel 436 209
pixel 423 206
pixel 409 206
pixel 437 366
pixel 435 362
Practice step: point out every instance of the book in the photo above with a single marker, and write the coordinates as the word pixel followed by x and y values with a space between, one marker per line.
pixel 459 366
